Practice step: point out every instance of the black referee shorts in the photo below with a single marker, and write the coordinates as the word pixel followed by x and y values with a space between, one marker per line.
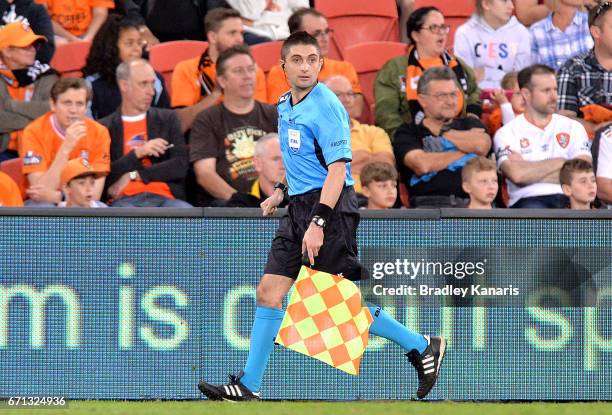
pixel 338 255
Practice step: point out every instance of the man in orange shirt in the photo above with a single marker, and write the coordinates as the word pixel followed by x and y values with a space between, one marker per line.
pixel 10 195
pixel 76 20
pixel 58 136
pixel 148 154
pixel 24 84
pixel 315 24
pixel 194 81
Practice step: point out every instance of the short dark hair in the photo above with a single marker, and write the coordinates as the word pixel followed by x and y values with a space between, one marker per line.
pixel 416 20
pixel 215 18
pixel 64 84
pixel 573 166
pixel 295 20
pixel 230 53
pixel 597 12
pixel 525 75
pixel 378 171
pixel 299 38
pixel 437 73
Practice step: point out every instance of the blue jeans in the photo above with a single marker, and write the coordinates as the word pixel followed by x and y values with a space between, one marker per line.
pixel 150 200
pixel 557 201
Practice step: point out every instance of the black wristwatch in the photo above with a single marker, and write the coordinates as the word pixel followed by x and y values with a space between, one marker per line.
pixel 319 221
pixel 282 186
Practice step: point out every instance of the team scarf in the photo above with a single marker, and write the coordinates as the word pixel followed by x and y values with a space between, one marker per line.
pixel 207 76
pixel 414 70
pixel 20 78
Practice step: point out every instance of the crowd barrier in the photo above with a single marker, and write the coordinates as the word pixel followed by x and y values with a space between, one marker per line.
pixel 142 304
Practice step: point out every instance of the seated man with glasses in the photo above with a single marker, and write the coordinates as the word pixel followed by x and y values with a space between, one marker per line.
pixel 585 81
pixel 431 152
pixel 395 85
pixel 315 24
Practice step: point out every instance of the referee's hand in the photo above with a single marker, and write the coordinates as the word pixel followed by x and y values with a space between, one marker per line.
pixel 271 203
pixel 312 242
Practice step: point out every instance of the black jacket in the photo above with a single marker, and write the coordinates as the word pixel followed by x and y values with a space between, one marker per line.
pixel 170 168
pixel 39 20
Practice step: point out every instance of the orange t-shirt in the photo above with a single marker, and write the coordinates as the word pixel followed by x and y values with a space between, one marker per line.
pixel 42 139
pixel 413 74
pixel 134 136
pixel 74 15
pixel 10 195
pixel 186 90
pixel 278 85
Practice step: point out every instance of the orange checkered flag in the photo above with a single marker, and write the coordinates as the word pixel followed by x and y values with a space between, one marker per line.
pixel 325 320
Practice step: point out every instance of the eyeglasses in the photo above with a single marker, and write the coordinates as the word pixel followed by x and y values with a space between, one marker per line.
pixel 443 96
pixel 320 33
pixel 441 29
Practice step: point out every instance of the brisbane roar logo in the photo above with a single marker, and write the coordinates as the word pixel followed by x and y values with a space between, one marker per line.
pixel 563 139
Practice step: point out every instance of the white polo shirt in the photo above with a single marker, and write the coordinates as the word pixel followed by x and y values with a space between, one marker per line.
pixel 604 161
pixel 562 137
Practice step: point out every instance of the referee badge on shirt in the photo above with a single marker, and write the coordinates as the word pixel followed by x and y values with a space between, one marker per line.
pixel 563 139
pixel 294 140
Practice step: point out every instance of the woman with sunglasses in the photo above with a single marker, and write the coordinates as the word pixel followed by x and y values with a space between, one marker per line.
pixel 395 86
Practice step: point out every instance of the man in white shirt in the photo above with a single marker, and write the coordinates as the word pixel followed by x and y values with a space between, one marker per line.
pixel 532 148
pixel 602 157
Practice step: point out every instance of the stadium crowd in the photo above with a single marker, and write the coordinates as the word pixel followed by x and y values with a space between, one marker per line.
pixel 510 106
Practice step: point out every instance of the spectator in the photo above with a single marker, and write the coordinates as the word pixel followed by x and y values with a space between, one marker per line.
pixel 493 42
pixel 585 81
pixel 148 153
pixel 270 170
pixel 379 185
pixel 368 142
pixel 431 152
pixel 179 19
pixel 266 20
pixel 76 20
pixel 315 24
pixel 561 35
pixel 117 41
pixel 532 148
pixel 479 181
pixel 135 10
pixel 10 195
pixel 405 8
pixel 58 136
pixel 37 17
pixel 223 137
pixel 78 181
pixel 578 183
pixel 394 88
pixel 602 164
pixel 24 84
pixel 194 84
pixel 508 109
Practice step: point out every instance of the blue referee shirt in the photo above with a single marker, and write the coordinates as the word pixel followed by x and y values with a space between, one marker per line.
pixel 314 133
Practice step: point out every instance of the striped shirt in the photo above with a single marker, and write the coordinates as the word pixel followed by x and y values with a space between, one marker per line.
pixel 583 81
pixel 551 46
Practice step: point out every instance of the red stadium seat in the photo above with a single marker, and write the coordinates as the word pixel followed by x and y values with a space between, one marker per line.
pixel 368 58
pixel 450 8
pixel 13 169
pixel 164 56
pixel 359 21
pixel 267 54
pixel 454 23
pixel 70 58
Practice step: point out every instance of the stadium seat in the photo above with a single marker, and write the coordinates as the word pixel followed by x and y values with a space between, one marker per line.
pixel 267 54
pixel 450 8
pixel 13 169
pixel 359 21
pixel 454 23
pixel 70 58
pixel 368 58
pixel 164 56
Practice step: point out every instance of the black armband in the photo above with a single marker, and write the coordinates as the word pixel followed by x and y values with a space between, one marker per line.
pixel 323 211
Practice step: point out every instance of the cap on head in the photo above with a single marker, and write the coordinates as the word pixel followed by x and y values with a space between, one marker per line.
pixel 18 34
pixel 77 168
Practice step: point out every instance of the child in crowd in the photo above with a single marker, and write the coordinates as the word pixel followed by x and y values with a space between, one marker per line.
pixel 493 42
pixel 578 182
pixel 379 185
pixel 479 180
pixel 78 181
pixel 508 108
